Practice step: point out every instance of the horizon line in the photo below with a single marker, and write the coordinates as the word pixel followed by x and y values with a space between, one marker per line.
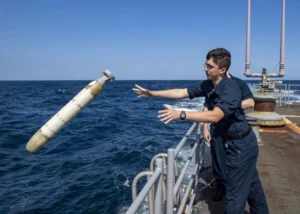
pixel 137 80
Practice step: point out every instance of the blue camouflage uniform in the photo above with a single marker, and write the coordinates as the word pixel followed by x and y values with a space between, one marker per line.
pixel 239 143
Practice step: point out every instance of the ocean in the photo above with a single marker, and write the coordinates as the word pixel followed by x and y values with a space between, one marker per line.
pixel 89 166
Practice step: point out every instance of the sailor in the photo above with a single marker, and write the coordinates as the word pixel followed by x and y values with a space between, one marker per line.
pixel 223 99
pixel 216 144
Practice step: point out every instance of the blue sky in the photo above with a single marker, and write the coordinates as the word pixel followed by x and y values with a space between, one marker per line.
pixel 168 40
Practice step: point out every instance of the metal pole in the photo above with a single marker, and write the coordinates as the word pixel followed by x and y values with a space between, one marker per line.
pixel 289 87
pixel 164 190
pixel 135 180
pixel 247 64
pixel 191 204
pixel 186 194
pixel 280 101
pixel 183 140
pixel 282 40
pixel 151 199
pixel 160 155
pixel 170 180
pixel 158 192
pixel 164 181
pixel 142 195
pixel 285 88
pixel 184 169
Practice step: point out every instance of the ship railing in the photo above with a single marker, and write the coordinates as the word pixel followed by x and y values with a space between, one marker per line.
pixel 163 182
pixel 156 180
pixel 292 88
pixel 281 92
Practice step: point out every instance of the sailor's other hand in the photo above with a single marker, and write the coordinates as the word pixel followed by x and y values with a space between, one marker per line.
pixel 206 135
pixel 168 114
pixel 143 92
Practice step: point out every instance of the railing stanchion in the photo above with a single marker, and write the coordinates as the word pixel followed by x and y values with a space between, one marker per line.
pixel 289 87
pixel 151 199
pixel 285 88
pixel 163 181
pixel 142 195
pixel 158 192
pixel 170 181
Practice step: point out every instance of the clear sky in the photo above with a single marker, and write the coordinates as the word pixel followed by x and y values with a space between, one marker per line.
pixel 168 40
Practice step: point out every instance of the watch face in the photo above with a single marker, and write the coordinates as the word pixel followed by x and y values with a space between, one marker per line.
pixel 182 115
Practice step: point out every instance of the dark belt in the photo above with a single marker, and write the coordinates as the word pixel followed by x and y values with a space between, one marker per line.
pixel 239 136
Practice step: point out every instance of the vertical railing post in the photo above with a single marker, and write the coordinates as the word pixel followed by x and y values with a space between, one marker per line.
pixel 170 180
pixel 160 204
pixel 158 192
pixel 285 88
pixel 289 87
pixel 150 199
pixel 280 101
pixel 164 181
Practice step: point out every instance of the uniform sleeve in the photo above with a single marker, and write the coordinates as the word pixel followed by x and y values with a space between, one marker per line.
pixel 230 99
pixel 196 90
pixel 205 102
pixel 246 92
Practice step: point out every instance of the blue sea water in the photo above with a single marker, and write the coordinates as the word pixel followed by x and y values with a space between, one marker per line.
pixel 89 166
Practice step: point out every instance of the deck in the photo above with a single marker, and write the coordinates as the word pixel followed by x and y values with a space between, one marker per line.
pixel 279 162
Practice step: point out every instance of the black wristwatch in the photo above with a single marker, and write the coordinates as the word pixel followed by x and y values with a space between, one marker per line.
pixel 182 115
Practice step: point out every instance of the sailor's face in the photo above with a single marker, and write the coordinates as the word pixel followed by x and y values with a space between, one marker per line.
pixel 211 69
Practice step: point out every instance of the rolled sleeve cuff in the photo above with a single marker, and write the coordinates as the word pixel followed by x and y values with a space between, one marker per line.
pixel 249 96
pixel 191 92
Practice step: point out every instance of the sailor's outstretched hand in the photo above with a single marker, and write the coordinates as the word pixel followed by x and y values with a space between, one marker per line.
pixel 168 114
pixel 143 92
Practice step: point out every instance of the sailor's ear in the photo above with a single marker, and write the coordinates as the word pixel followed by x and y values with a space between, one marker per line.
pixel 223 70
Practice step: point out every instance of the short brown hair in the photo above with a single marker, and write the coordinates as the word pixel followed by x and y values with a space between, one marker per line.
pixel 221 57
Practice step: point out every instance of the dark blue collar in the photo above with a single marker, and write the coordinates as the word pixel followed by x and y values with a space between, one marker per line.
pixel 221 85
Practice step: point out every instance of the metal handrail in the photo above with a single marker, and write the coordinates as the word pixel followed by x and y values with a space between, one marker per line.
pixel 157 176
pixel 187 190
pixel 279 95
pixel 136 179
pixel 183 171
pixel 191 203
pixel 289 88
pixel 151 193
pixel 163 156
pixel 163 204
pixel 196 150
pixel 183 140
pixel 160 155
pixel 170 180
